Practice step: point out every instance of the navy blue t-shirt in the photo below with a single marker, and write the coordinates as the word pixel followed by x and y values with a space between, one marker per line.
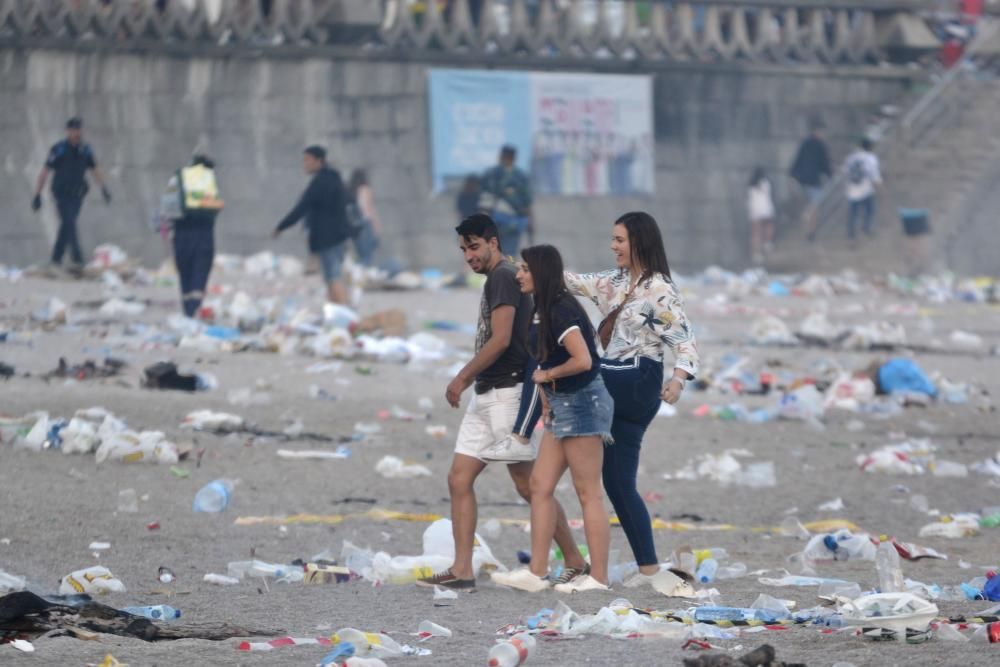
pixel 69 165
pixel 567 316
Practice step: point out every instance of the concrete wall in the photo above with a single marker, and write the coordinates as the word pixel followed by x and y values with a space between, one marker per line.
pixel 146 113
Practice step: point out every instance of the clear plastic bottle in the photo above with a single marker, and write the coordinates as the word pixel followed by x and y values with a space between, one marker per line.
pixel 369 643
pixel 722 614
pixel 160 612
pixel 707 570
pixel 734 571
pixel 432 629
pixel 890 574
pixel 214 496
pixel 513 652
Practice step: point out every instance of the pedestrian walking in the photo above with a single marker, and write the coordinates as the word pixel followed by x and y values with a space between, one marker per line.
pixel 192 204
pixel 643 318
pixel 864 176
pixel 368 233
pixel 69 161
pixel 324 207
pixel 577 409
pixel 810 169
pixel 760 211
pixel 496 372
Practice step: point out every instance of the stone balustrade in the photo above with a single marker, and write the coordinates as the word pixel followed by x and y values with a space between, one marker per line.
pixel 622 31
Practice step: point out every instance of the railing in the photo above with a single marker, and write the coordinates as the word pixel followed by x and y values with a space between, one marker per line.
pixel 834 31
pixel 931 111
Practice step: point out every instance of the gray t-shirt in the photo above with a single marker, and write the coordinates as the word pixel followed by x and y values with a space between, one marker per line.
pixel 501 289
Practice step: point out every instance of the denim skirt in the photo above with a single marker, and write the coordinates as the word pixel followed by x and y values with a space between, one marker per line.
pixel 586 411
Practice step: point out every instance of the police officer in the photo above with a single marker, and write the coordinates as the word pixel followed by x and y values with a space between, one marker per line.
pixel 68 161
pixel 192 204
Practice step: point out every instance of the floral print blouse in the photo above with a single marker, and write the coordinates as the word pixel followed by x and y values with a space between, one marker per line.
pixel 651 320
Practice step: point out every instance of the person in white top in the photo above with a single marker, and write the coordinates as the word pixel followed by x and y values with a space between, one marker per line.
pixel 861 170
pixel 760 210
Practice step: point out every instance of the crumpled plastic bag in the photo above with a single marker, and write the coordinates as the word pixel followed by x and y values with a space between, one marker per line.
pixel 904 376
pixel 116 307
pixel 892 611
pixel 849 392
pixel 95 579
pixel 770 330
pixel 10 583
pixel 108 256
pixel 131 447
pixel 875 335
pixel 53 312
pixel 905 458
pixel 393 467
pixel 438 555
pixel 206 420
pixel 804 403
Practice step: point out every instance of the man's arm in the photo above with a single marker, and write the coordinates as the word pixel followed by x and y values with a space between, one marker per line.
pixel 502 322
pixel 99 177
pixel 296 213
pixel 43 176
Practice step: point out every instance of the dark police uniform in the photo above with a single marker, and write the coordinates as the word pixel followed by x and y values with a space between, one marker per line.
pixel 69 165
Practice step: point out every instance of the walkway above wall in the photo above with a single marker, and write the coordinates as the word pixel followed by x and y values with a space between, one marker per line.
pixel 604 34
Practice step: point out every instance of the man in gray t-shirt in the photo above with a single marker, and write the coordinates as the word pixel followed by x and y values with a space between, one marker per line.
pixel 497 370
pixel 502 289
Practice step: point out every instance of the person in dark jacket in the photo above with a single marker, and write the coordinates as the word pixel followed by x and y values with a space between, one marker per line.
pixel 69 160
pixel 811 167
pixel 324 207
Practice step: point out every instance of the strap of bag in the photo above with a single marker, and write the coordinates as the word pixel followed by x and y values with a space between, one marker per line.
pixel 607 326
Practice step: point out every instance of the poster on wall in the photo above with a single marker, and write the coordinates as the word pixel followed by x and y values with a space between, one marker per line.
pixel 576 134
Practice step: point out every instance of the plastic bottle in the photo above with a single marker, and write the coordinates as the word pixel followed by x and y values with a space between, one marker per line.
pixel 369 643
pixel 260 569
pixel 706 571
pixel 214 496
pixel 432 629
pixel 513 652
pixel 988 633
pixel 890 574
pixel 160 612
pixel 734 571
pixel 990 518
pixel 722 614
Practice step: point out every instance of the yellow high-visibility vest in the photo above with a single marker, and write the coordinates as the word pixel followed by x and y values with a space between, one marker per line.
pixel 199 189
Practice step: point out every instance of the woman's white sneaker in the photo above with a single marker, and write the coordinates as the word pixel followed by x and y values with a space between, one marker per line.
pixel 582 585
pixel 522 579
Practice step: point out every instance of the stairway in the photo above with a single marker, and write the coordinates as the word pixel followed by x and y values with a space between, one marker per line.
pixel 952 170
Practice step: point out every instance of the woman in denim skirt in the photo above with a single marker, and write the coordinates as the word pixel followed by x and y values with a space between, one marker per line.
pixel 643 319
pixel 577 410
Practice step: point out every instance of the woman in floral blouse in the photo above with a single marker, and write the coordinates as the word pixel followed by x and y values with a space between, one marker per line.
pixel 644 316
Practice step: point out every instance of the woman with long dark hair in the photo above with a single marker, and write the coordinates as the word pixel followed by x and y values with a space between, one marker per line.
pixel 643 317
pixel 577 411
